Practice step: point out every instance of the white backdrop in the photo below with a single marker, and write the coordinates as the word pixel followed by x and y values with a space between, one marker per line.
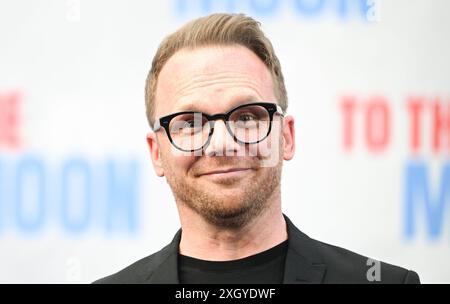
pixel 368 84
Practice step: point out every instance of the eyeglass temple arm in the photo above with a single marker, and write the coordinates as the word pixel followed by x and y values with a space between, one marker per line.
pixel 156 126
pixel 280 110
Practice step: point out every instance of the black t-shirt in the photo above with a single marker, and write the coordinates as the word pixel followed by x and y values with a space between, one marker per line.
pixel 266 267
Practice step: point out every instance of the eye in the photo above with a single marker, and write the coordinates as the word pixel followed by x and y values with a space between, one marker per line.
pixel 189 124
pixel 190 127
pixel 245 117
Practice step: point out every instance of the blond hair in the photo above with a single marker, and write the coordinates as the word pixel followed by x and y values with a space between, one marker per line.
pixel 216 29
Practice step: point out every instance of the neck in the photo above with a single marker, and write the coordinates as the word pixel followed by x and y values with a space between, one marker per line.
pixel 202 240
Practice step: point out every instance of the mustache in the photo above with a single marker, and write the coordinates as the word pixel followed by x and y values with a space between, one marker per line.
pixel 224 162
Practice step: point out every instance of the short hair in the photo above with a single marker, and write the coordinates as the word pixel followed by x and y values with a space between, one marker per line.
pixel 216 30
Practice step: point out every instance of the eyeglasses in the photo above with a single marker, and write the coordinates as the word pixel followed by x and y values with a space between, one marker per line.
pixel 190 131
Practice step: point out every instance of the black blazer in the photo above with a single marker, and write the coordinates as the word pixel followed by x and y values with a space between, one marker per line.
pixel 307 261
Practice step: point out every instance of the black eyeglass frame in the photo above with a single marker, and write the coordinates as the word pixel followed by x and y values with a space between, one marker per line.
pixel 164 122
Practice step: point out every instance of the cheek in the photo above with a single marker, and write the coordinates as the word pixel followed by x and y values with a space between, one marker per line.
pixel 269 151
pixel 176 164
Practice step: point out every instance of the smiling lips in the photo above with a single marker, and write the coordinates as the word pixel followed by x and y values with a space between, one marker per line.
pixel 231 172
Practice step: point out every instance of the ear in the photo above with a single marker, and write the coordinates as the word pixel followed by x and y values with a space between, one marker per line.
pixel 288 138
pixel 155 153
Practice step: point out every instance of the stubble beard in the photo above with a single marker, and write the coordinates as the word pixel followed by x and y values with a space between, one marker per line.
pixel 248 200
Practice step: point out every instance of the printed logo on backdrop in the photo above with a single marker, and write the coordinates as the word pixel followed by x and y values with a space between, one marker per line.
pixel 426 173
pixel 75 194
pixel 364 10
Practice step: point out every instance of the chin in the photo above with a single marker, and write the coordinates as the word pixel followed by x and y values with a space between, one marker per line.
pixel 230 198
pixel 228 217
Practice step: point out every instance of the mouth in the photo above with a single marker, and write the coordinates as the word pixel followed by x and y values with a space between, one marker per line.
pixel 227 173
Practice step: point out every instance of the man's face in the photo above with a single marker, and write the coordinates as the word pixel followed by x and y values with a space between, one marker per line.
pixel 228 184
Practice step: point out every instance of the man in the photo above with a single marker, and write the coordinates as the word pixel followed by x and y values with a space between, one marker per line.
pixel 216 102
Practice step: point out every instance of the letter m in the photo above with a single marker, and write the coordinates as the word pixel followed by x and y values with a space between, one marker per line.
pixel 420 202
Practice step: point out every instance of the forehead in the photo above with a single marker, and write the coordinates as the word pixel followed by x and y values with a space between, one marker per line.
pixel 212 79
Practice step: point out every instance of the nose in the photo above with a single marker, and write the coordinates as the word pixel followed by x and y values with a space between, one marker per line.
pixel 221 142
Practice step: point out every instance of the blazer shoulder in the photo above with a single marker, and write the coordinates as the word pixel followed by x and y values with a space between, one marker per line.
pixel 139 271
pixel 345 266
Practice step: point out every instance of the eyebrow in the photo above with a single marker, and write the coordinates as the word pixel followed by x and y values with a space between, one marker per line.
pixel 237 101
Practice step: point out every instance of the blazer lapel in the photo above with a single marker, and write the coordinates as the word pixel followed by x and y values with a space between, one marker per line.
pixel 303 262
pixel 164 270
